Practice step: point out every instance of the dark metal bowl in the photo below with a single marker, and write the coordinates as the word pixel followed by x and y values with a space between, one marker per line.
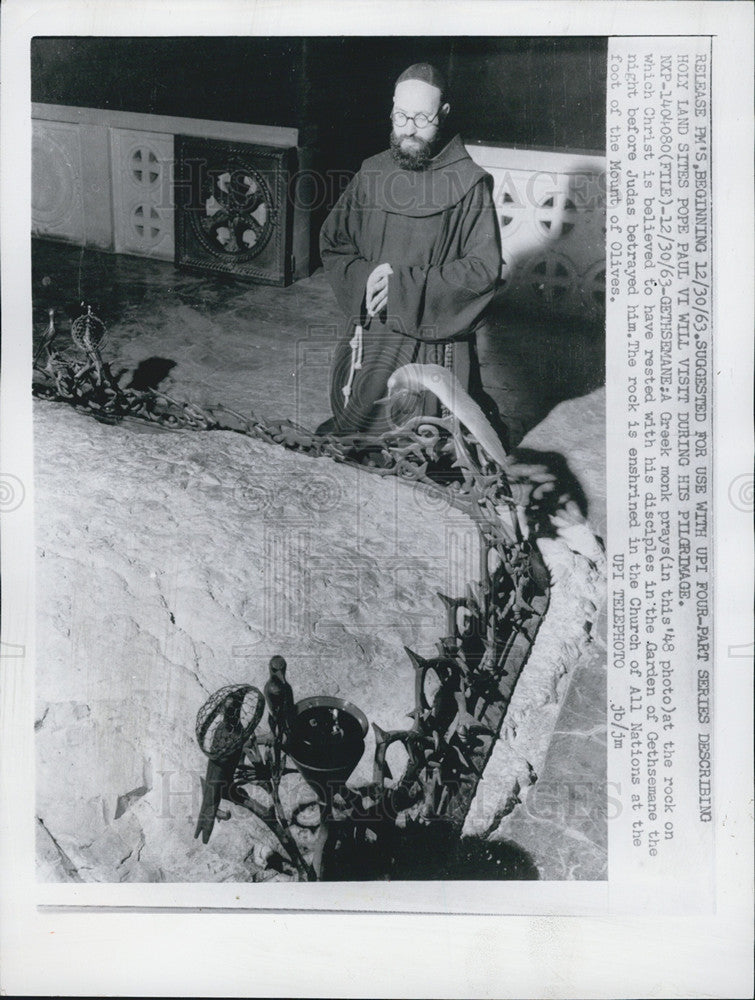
pixel 324 763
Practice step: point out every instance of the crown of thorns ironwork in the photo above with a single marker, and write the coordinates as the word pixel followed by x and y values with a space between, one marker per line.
pixel 461 695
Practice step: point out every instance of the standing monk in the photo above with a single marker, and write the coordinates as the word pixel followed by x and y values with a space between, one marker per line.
pixel 412 251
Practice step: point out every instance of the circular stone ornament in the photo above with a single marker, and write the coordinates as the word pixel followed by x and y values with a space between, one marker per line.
pixel 239 216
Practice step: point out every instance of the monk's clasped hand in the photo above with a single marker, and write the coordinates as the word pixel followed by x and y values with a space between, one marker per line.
pixel 377 289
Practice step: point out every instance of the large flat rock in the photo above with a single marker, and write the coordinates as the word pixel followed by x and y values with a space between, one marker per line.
pixel 173 563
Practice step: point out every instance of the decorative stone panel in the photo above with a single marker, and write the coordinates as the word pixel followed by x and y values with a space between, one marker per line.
pixel 551 215
pixel 233 209
pixel 57 202
pixel 142 170
pixel 104 178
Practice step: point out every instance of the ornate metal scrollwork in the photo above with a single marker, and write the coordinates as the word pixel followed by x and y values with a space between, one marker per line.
pixel 240 216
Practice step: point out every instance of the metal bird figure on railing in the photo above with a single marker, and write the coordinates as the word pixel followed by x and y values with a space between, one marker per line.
pixel 280 700
pixel 225 750
pixel 48 336
pixel 280 704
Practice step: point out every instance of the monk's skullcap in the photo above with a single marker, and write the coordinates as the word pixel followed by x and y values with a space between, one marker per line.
pixel 426 73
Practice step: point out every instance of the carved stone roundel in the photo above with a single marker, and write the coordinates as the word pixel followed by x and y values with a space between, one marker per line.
pixel 239 216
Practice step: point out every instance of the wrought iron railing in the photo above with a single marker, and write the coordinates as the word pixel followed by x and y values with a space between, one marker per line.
pixel 462 691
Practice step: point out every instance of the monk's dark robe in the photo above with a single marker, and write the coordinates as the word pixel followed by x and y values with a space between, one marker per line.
pixel 437 229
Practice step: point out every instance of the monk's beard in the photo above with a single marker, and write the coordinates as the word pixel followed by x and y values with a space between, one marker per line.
pixel 417 155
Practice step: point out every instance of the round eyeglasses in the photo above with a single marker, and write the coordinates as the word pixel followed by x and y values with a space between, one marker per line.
pixel 420 120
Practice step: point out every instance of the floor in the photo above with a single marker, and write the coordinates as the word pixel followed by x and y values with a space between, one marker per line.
pixel 267 350
pixel 194 331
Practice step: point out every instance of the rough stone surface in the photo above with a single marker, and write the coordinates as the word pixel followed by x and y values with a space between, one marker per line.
pixel 576 429
pixel 157 584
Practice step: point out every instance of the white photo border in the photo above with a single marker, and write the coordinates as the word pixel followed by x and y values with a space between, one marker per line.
pixel 592 951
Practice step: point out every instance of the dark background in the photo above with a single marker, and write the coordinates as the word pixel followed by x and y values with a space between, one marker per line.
pixel 527 92
pixel 516 91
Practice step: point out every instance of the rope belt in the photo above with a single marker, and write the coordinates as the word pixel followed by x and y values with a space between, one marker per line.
pixel 357 357
pixel 357 353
